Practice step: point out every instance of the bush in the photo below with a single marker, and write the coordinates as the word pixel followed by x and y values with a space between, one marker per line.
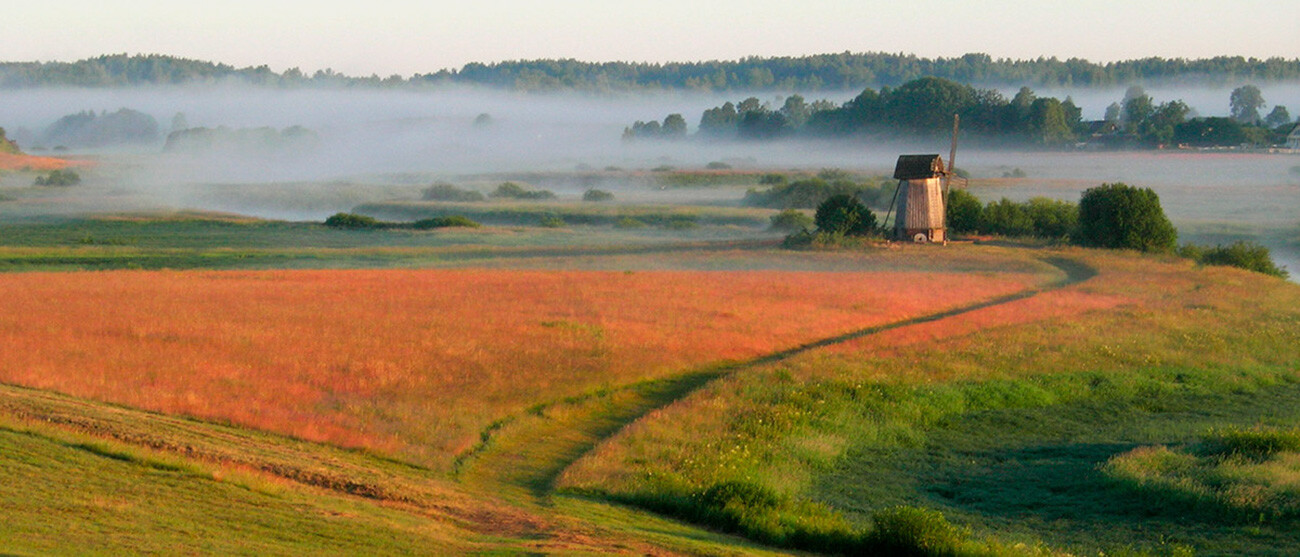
pixel 1245 255
pixel 1255 444
pixel 352 220
pixel 551 221
pixel 445 222
pixel 597 195
pixel 1007 218
pixel 629 222
pixel 512 190
pixel 1120 216
pixel 844 214
pixel 717 165
pixel 791 220
pixel 778 179
pixel 965 212
pixel 59 178
pixel 913 531
pixel 1052 218
pixel 443 191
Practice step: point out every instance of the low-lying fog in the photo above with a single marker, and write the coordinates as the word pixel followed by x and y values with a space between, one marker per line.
pixel 365 135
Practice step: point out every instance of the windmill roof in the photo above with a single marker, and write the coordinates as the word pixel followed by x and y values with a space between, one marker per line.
pixel 915 167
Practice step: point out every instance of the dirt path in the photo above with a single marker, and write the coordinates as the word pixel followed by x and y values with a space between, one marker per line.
pixel 522 456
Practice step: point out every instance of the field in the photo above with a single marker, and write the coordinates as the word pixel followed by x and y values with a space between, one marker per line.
pixel 197 381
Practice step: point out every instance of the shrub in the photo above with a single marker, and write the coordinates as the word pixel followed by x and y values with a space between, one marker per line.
pixel 717 165
pixel 965 212
pixel 1007 218
pixel 596 195
pixel 1254 444
pixel 629 222
pixel 1120 216
pixel 778 179
pixel 1052 218
pixel 844 214
pixel 59 178
pixel 512 190
pixel 914 531
pixel 445 222
pixel 352 220
pixel 443 191
pixel 1246 255
pixel 551 221
pixel 682 222
pixel 791 220
pixel 811 192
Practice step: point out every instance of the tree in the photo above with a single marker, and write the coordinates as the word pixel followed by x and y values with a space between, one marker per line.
pixel 1120 216
pixel 1277 117
pixel 1113 112
pixel 844 214
pixel 1245 103
pixel 1047 123
pixel 674 127
pixel 1137 106
pixel 1159 128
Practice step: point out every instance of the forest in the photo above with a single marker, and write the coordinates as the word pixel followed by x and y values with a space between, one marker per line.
pixel 926 106
pixel 821 72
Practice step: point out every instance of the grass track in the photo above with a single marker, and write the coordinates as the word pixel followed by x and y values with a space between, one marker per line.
pixel 552 436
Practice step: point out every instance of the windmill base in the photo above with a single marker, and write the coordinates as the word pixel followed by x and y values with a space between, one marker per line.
pixel 921 235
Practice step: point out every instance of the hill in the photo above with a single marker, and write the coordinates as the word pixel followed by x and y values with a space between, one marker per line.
pixel 814 400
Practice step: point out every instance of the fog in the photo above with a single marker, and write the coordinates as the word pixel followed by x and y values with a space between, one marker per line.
pixel 410 138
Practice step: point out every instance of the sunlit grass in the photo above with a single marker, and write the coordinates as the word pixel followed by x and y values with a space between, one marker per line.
pixel 417 363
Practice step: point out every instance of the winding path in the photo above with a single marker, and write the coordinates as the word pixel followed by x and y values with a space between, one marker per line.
pixel 522 456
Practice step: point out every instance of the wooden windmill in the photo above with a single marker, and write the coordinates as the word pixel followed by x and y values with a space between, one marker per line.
pixel 922 195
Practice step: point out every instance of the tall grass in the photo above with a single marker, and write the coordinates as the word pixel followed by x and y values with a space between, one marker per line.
pixel 1142 336
pixel 414 363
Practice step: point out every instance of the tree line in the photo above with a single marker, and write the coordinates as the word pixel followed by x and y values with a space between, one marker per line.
pixel 822 72
pixel 925 106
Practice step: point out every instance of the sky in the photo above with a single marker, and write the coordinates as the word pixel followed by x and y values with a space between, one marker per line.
pixel 406 37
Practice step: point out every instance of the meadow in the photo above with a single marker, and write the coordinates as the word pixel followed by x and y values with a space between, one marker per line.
pixel 171 376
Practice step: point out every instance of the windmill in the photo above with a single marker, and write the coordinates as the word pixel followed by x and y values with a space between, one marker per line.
pixel 922 195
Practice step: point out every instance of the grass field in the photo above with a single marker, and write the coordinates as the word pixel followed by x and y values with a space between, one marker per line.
pixel 1001 418
pixel 643 391
pixel 416 363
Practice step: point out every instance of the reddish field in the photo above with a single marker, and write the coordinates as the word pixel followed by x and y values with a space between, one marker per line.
pixel 416 363
pixel 9 161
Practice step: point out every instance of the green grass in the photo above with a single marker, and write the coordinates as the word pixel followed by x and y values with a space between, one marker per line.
pixel 572 213
pixel 1004 431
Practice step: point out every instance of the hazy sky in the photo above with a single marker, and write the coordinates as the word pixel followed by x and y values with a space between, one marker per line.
pixel 405 37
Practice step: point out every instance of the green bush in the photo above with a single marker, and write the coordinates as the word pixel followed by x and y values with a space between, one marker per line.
pixel 778 179
pixel 512 190
pixel 1120 216
pixel 443 191
pixel 1246 255
pixel 352 220
pixel 629 222
pixel 445 222
pixel 791 220
pixel 596 195
pixel 551 221
pixel 906 531
pixel 844 214
pixel 1255 444
pixel 718 165
pixel 1052 218
pixel 59 178
pixel 1007 218
pixel 682 222
pixel 965 212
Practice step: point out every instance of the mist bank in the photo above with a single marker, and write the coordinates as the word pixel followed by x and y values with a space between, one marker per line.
pixel 818 72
